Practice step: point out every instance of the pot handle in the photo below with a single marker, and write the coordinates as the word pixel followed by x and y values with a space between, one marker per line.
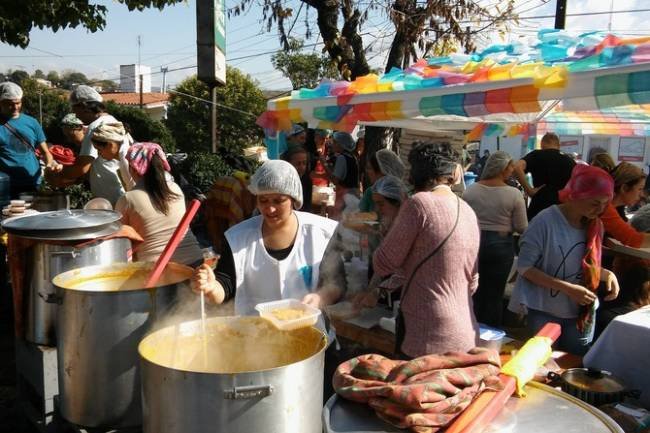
pixel 248 392
pixel 50 298
pixel 553 376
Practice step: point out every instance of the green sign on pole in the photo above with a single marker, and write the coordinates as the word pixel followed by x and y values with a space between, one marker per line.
pixel 220 25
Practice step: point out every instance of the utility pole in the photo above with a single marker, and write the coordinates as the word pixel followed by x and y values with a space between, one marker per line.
pixel 213 119
pixel 139 73
pixel 560 14
pixel 141 80
pixel 164 70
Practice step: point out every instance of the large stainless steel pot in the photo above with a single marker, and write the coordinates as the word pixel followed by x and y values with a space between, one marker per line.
pixel 104 312
pixel 46 260
pixel 55 242
pixel 253 378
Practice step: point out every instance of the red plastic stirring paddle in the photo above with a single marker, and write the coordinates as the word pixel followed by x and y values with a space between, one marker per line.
pixel 171 246
pixel 488 405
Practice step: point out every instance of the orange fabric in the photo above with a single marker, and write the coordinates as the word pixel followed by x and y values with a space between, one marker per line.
pixel 591 272
pixel 617 228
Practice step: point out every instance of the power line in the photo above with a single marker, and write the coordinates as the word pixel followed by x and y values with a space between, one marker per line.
pixel 227 107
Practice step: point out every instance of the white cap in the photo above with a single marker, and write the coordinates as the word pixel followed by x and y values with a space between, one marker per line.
pixel 83 93
pixel 9 90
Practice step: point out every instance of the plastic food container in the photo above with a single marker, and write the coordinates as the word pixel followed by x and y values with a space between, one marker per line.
pixel 309 314
pixel 492 338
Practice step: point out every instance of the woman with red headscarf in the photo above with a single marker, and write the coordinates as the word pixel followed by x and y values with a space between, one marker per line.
pixel 559 261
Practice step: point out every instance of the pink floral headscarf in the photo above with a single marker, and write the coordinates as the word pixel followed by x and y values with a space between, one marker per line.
pixel 140 154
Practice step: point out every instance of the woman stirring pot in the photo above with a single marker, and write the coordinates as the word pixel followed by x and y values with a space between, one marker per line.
pixel 276 255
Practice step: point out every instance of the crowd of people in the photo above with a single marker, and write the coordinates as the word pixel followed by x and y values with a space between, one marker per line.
pixel 451 257
pixel 448 257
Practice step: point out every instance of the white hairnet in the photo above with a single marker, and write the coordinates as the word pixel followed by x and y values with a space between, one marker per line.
pixel 277 177
pixel 83 93
pixel 496 163
pixel 9 90
pixel 641 219
pixel 345 140
pixel 390 187
pixel 390 164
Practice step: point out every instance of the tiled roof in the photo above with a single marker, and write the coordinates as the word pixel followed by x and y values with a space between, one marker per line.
pixel 132 98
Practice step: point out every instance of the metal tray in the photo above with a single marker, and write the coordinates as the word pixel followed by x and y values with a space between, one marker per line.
pixel 543 410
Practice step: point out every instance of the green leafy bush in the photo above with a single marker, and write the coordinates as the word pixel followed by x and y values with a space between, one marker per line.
pixel 142 127
pixel 202 168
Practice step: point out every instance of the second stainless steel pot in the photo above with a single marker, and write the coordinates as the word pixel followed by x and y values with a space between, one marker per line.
pixel 45 260
pixel 104 312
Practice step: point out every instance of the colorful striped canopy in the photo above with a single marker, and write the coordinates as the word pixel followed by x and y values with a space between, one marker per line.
pixel 592 71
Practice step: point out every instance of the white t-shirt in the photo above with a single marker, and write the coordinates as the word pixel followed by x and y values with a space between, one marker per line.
pixel 104 179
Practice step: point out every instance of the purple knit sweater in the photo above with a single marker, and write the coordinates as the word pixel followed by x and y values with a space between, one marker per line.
pixel 438 308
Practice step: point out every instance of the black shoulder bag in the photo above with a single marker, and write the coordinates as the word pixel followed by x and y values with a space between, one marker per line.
pixel 400 325
pixel 19 136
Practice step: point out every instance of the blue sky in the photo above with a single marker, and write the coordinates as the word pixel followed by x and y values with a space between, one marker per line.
pixel 169 37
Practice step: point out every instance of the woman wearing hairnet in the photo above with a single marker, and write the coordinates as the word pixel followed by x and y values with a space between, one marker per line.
pixel 501 211
pixel 277 254
pixel 383 163
pixel 388 195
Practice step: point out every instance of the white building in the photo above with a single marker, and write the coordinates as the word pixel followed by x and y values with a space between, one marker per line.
pixel 130 78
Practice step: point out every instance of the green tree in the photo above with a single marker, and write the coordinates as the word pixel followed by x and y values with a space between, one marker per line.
pixel 241 101
pixel 70 79
pixel 18 76
pixel 142 127
pixel 18 18
pixel 39 74
pixel 303 69
pixel 107 85
pixel 53 77
pixel 52 103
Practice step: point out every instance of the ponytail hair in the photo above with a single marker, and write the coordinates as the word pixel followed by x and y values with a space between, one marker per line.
pixel 156 185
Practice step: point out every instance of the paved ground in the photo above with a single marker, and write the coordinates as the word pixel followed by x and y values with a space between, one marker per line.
pixel 12 419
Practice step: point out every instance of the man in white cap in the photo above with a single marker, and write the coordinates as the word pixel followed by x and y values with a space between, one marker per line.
pixel 20 136
pixel 89 107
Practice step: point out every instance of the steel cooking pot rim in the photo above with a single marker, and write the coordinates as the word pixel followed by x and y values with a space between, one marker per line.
pixel 186 371
pixel 586 371
pixel 72 273
pixel 74 219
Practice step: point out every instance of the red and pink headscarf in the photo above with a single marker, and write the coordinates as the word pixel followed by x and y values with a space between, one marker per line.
pixel 589 182
pixel 140 154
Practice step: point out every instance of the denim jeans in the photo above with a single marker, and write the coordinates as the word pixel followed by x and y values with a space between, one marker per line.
pixel 495 259
pixel 570 340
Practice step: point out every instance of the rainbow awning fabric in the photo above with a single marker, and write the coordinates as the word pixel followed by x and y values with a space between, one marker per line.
pixel 592 71
pixel 626 121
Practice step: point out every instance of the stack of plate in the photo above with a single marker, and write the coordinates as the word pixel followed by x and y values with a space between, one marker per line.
pixel 18 208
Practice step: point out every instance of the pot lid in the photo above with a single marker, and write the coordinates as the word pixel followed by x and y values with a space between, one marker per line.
pixel 593 380
pixel 76 219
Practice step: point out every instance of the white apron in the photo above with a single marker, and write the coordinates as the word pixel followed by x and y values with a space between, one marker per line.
pixel 261 278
